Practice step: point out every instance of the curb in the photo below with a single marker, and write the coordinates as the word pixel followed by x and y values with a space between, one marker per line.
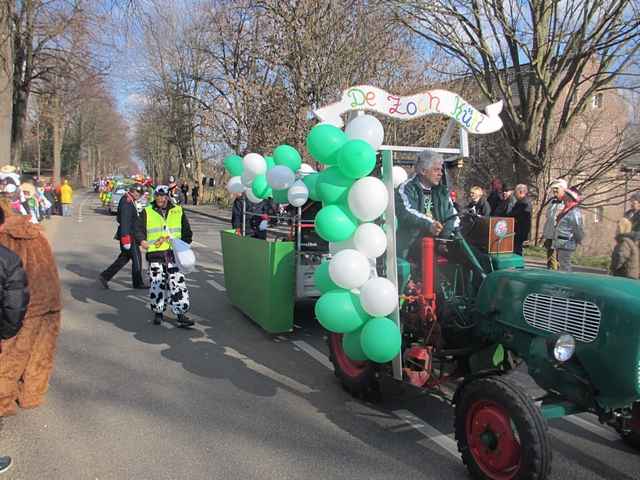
pixel 528 261
pixel 224 219
pixel 577 268
pixel 209 215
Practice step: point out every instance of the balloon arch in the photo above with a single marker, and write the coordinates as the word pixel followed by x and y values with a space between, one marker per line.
pixel 355 301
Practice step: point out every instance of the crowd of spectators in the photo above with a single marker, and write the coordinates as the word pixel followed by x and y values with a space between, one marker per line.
pixel 34 198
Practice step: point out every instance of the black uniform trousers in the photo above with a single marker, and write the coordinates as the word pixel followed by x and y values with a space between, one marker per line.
pixel 132 254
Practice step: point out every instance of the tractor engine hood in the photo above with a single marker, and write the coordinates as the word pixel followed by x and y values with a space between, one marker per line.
pixel 602 313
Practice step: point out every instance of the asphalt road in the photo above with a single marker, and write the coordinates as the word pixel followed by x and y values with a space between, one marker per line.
pixel 130 400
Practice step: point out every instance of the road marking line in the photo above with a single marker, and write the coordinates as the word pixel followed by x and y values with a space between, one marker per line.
pixel 216 285
pixel 429 432
pixel 198 244
pixel 601 432
pixel 314 353
pixel 267 372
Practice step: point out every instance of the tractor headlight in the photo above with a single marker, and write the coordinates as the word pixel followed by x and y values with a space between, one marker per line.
pixel 564 348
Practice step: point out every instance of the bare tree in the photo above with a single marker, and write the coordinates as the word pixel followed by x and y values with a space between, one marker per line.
pixel 6 82
pixel 545 60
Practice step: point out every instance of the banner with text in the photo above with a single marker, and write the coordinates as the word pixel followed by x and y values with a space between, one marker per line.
pixel 431 102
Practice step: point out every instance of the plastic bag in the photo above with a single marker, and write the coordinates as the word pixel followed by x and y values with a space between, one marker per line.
pixel 185 258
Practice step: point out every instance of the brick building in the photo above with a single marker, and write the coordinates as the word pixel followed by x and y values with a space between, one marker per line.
pixel 591 155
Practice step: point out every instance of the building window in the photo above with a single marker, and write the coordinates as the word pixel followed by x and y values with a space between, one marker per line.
pixel 596 100
pixel 598 215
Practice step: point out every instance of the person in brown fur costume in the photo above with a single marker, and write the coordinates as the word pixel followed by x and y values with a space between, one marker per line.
pixel 26 361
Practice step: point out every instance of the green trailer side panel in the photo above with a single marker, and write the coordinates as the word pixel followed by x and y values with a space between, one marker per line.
pixel 260 279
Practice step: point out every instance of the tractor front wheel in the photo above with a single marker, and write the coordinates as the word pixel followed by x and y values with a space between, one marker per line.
pixel 358 378
pixel 501 434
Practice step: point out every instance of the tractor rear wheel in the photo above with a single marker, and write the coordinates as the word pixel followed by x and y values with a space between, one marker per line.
pixel 501 434
pixel 632 437
pixel 358 378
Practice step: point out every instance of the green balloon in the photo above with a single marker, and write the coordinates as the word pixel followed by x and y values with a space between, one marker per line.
pixel 335 223
pixel 233 165
pixel 339 311
pixel 260 187
pixel 381 340
pixel 311 182
pixel 322 279
pixel 270 162
pixel 352 346
pixel 332 186
pixel 324 141
pixel 289 156
pixel 356 159
pixel 280 196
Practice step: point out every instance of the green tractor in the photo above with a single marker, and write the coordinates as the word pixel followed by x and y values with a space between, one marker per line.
pixel 471 313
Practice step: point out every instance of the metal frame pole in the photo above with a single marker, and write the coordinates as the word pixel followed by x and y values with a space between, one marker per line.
pixel 392 261
pixel 244 215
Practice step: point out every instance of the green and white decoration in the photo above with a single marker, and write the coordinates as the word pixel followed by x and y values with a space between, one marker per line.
pixel 355 301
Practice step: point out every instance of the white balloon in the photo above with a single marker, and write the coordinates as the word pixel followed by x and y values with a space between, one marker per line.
pixel 280 177
pixel 400 175
pixel 349 269
pixel 247 179
pixel 298 194
pixel 367 128
pixel 370 239
pixel 252 198
pixel 306 168
pixel 335 247
pixel 234 185
pixel 379 297
pixel 368 199
pixel 254 164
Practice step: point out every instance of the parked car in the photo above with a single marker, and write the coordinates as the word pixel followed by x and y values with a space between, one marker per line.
pixel 116 195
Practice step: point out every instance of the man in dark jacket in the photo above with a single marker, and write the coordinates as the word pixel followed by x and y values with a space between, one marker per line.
pixel 14 293
pixel 195 191
pixel 157 225
pixel 495 196
pixel 185 190
pixel 520 209
pixel 14 299
pixel 633 215
pixel 423 207
pixel 259 219
pixel 236 213
pixel 129 248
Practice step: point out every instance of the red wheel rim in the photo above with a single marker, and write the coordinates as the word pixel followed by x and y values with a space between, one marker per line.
pixel 492 441
pixel 349 367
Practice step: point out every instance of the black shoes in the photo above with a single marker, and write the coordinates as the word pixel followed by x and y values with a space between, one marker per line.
pixel 103 281
pixel 183 321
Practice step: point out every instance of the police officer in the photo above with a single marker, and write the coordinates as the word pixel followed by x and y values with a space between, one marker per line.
pixel 129 248
pixel 158 224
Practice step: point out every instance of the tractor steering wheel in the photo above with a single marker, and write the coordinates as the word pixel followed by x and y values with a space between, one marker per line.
pixel 461 216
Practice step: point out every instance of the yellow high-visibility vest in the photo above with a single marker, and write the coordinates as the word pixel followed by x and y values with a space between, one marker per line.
pixel 158 226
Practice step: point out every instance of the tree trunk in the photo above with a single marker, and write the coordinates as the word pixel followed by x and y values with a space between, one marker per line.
pixel 101 170
pixel 56 123
pixel 6 86
pixel 20 99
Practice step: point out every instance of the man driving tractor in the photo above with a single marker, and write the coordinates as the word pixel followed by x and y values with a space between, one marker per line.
pixel 423 206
